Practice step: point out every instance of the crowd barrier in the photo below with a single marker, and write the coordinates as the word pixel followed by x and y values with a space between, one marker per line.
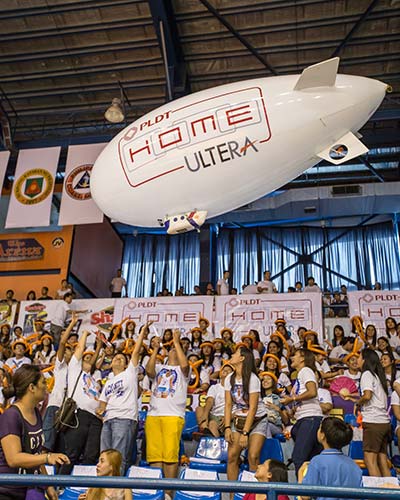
pixel 273 489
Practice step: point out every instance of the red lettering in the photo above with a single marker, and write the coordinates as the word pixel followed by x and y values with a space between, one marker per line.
pixel 257 315
pixel 190 317
pixel 132 153
pixel 371 312
pixel 297 314
pixel 203 125
pixel 171 317
pixel 174 141
pixel 394 312
pixel 144 124
pixel 234 118
pixel 241 316
pixel 153 317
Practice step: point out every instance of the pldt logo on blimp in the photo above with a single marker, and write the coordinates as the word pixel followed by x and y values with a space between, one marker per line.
pixel 210 131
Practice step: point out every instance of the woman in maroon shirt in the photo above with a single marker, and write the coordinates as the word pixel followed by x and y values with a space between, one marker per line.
pixel 21 433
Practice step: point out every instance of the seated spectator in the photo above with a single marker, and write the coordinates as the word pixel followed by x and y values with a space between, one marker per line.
pixel 44 351
pixel 271 471
pixel 389 365
pixel 19 348
pixel 276 412
pixel 391 332
pixel 109 464
pixel 339 306
pixel 63 290
pixel 266 285
pixel 233 291
pixel 377 286
pixel 370 336
pixel 332 467
pixel 31 295
pixel 272 364
pixel 338 353
pixel 220 355
pixel 203 325
pixel 311 286
pixel 227 337
pixel 298 286
pixel 210 417
pixel 9 299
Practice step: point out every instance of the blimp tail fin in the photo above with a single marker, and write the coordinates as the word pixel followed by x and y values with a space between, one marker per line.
pixel 345 148
pixel 322 74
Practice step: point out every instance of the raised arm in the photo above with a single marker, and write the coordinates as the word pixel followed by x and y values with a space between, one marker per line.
pixel 183 362
pixel 64 337
pixel 80 348
pixel 139 343
pixel 151 364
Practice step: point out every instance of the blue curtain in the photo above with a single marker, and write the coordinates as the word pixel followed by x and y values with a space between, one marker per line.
pixel 356 257
pixel 152 262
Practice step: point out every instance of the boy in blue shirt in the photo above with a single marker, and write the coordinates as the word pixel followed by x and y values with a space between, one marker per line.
pixel 331 467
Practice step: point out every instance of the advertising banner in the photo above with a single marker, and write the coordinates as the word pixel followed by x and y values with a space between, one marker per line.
pixel 77 205
pixel 258 312
pixel 375 306
pixel 4 157
pixel 7 314
pixel 166 312
pixel 32 191
pixel 98 315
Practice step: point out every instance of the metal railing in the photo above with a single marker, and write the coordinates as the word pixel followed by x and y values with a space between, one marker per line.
pixel 273 489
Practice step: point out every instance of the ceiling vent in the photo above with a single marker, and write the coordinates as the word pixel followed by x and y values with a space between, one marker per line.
pixel 350 190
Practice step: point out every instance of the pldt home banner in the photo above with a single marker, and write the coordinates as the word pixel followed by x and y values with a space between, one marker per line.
pixel 77 205
pixel 244 312
pixel 375 306
pixel 32 191
pixel 166 312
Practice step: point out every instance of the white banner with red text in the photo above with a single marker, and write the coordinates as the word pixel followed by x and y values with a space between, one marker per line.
pixel 242 313
pixel 166 312
pixel 32 191
pixel 77 205
pixel 375 306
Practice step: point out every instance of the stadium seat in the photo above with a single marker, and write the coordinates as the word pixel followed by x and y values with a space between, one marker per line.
pixel 146 472
pixel 351 419
pixel 73 492
pixel 189 474
pixel 272 448
pixel 190 425
pixel 211 454
pixel 244 475
pixel 357 454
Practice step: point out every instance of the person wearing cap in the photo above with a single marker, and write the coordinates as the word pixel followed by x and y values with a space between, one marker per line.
pixel 19 348
pixel 196 340
pixel 266 285
pixel 227 337
pixel 305 407
pixel 210 417
pixel 166 416
pixel 44 351
pixel 321 364
pixel 248 340
pixel 203 325
pixel 220 355
pixel 271 363
pixel 277 415
pixel 275 346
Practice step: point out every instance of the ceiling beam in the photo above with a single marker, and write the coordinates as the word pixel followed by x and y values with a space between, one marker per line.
pixel 166 30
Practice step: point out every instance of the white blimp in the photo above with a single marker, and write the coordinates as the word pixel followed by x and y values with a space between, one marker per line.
pixel 213 151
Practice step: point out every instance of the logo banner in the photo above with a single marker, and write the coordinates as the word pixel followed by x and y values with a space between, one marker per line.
pixel 166 312
pixel 4 157
pixel 77 205
pixel 375 306
pixel 242 313
pixel 30 201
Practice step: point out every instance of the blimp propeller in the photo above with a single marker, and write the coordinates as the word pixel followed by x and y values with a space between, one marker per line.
pixel 213 151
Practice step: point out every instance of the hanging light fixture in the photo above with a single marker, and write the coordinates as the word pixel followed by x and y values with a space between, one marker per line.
pixel 115 113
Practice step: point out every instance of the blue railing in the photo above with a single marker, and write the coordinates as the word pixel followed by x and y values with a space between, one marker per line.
pixel 273 489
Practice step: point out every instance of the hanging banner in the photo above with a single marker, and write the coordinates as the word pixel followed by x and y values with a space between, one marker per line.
pixel 98 315
pixel 30 201
pixel 77 205
pixel 7 313
pixel 375 306
pixel 4 157
pixel 166 312
pixel 242 313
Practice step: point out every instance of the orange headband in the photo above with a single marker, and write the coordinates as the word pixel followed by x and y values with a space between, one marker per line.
pixel 269 374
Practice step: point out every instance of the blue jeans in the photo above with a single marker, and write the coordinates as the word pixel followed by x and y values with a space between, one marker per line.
pixel 306 446
pixel 50 434
pixel 119 433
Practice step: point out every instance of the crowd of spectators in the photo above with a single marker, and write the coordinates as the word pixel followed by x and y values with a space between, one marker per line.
pixel 253 390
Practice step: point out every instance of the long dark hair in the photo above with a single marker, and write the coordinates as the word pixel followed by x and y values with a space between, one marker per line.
pixel 336 342
pixel 392 368
pixel 248 367
pixel 386 322
pixel 373 337
pixel 309 359
pixel 278 342
pixel 23 377
pixel 372 364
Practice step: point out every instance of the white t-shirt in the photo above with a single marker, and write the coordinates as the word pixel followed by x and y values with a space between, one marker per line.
pixel 239 406
pixel 117 284
pixel 323 367
pixel 168 397
pixel 121 395
pixel 87 391
pixel 283 381
pixel 324 396
pixel 338 352
pixel 60 383
pixel 60 313
pixel 394 341
pixel 375 411
pixel 395 400
pixel 310 407
pixel 217 392
pixel 15 363
pixel 224 287
pixel 269 285
pixel 355 377
pixel 61 293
